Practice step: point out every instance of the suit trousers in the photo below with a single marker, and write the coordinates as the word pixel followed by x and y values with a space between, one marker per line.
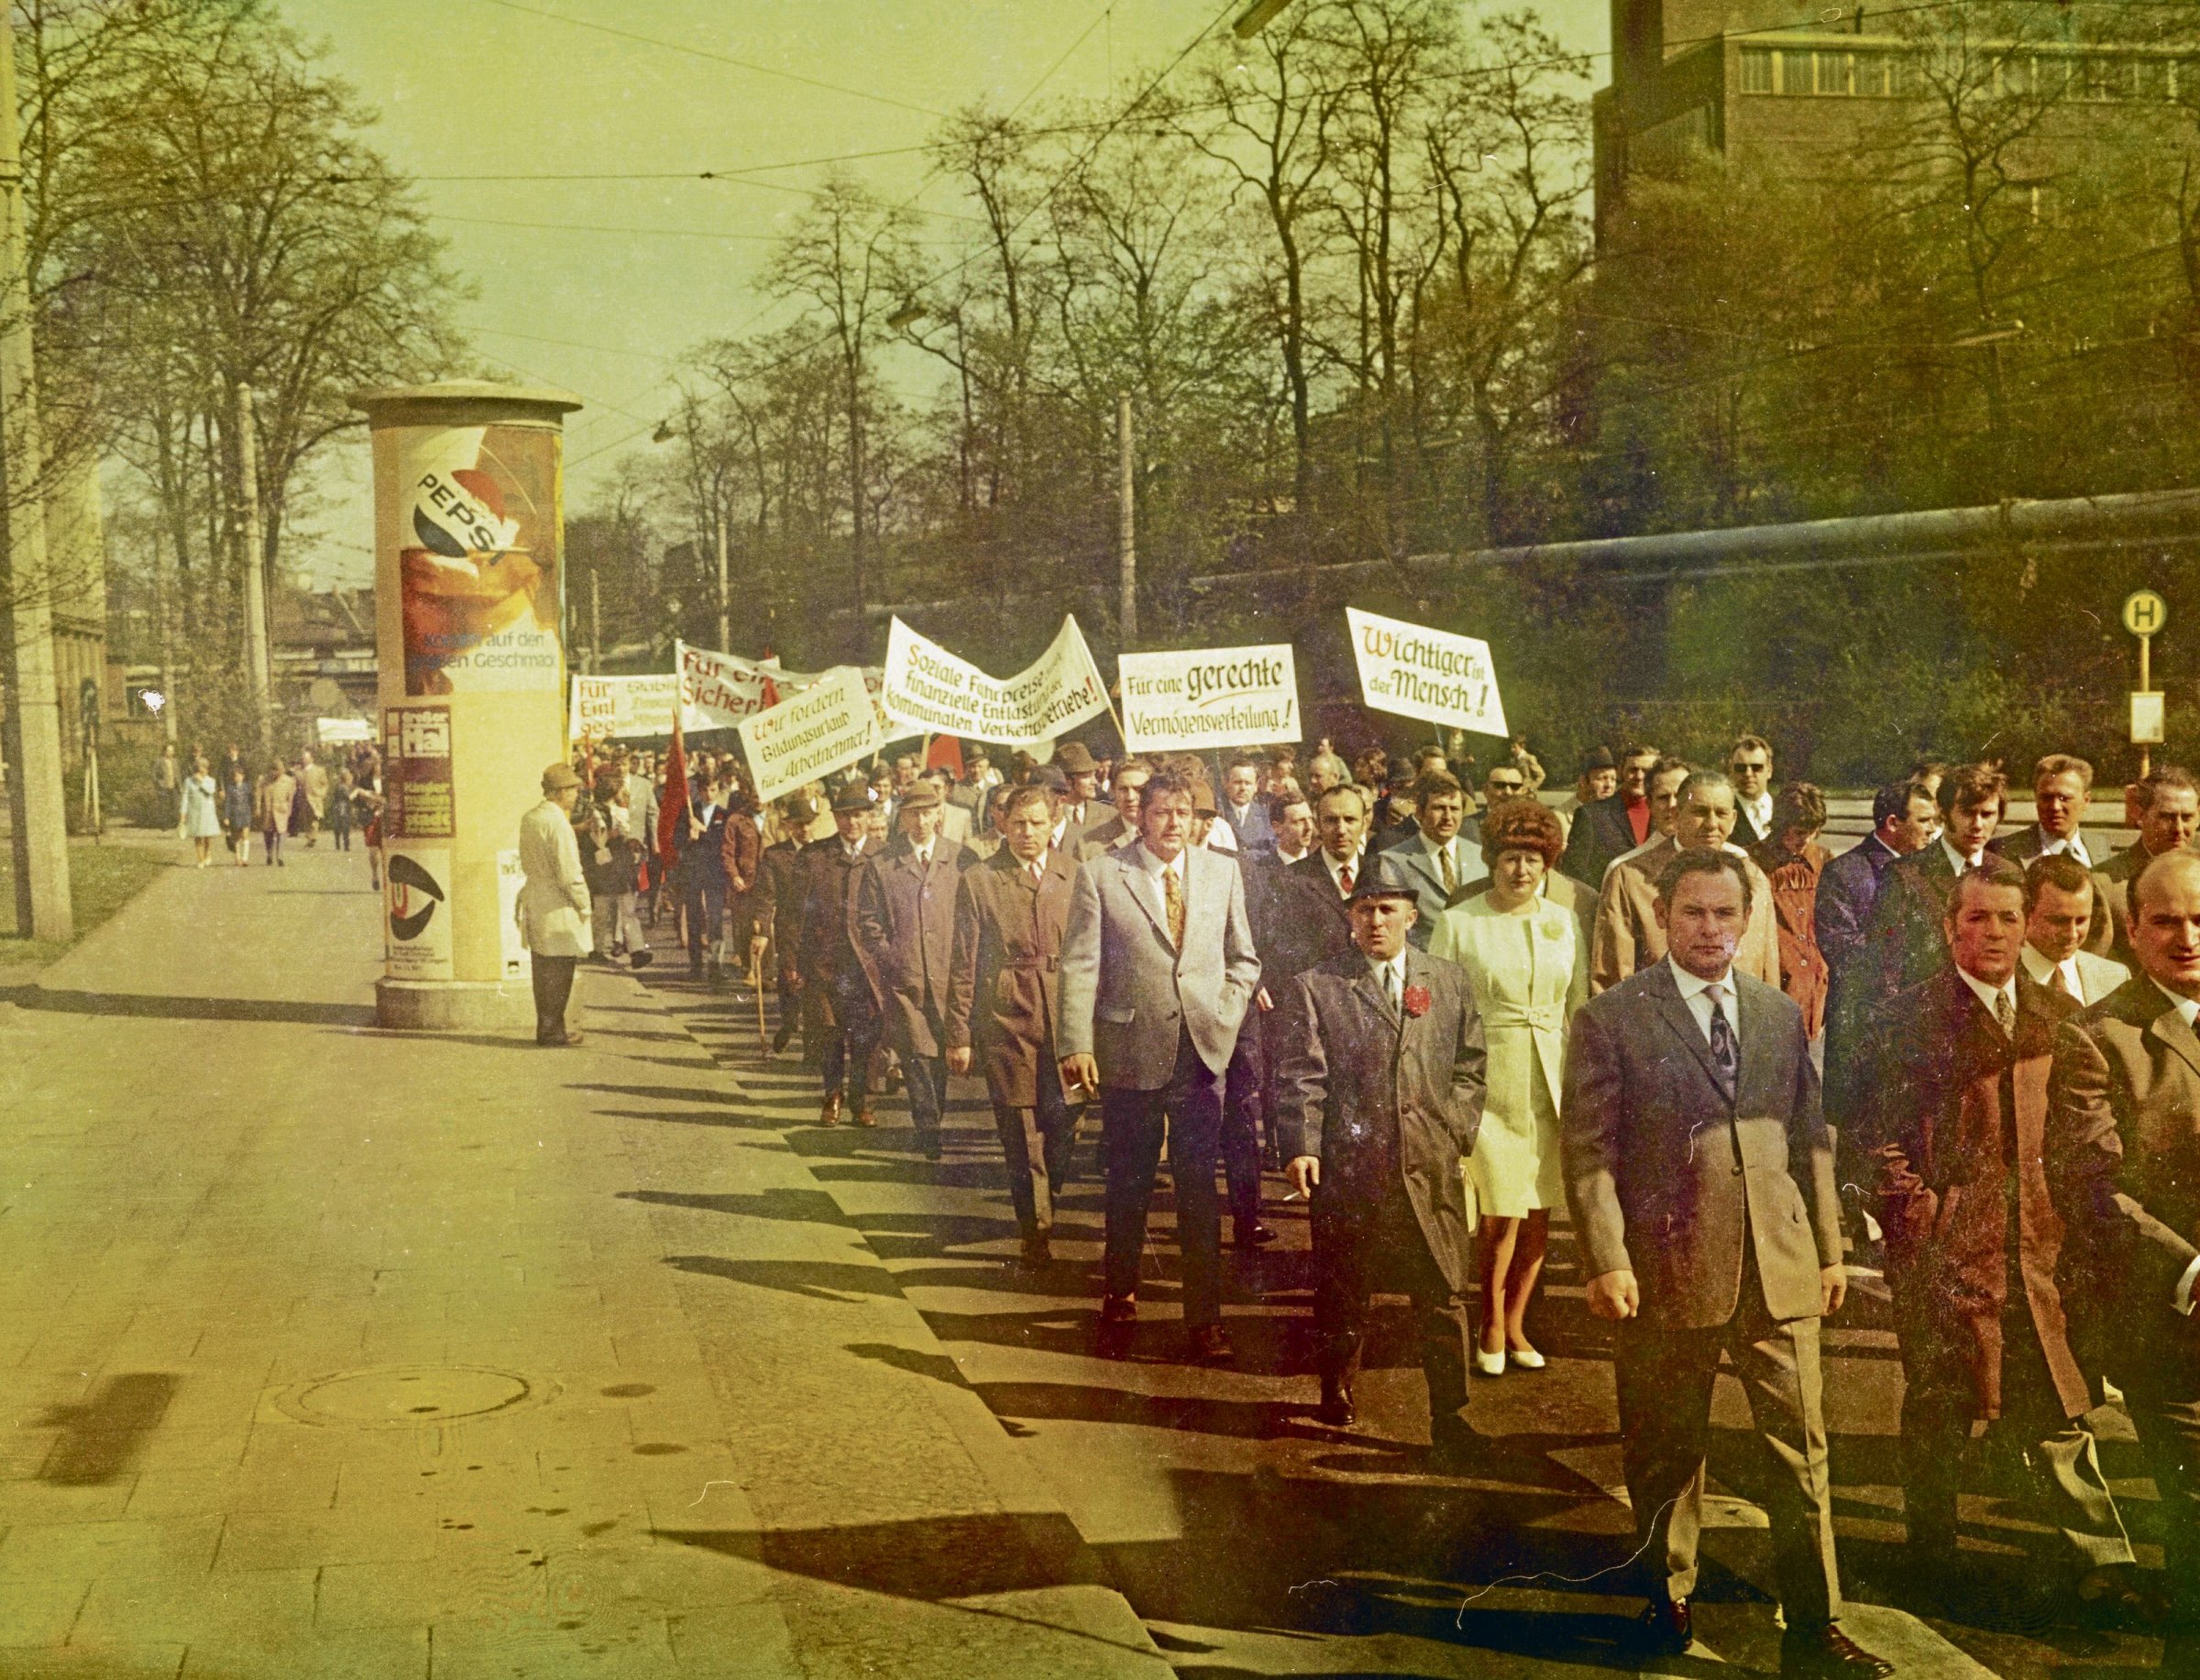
pixel 553 979
pixel 1036 1141
pixel 2163 1394
pixel 1240 1141
pixel 1187 1112
pixel 1360 1247
pixel 1938 1406
pixel 1665 1382
pixel 705 903
pixel 925 1077
pixel 848 1041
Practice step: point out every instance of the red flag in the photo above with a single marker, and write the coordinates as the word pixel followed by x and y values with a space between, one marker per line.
pixel 945 750
pixel 672 807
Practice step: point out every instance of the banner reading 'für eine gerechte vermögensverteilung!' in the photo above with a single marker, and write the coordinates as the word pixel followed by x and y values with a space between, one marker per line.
pixel 930 689
pixel 1413 671
pixel 1215 696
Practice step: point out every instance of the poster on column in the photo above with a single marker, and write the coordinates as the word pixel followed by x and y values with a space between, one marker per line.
pixel 624 707
pixel 1213 697
pixel 518 963
pixel 1412 671
pixel 827 726
pixel 416 897
pixel 418 789
pixel 479 560
pixel 929 691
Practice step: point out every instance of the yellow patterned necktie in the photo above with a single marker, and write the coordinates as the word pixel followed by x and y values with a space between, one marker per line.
pixel 1172 895
pixel 1451 879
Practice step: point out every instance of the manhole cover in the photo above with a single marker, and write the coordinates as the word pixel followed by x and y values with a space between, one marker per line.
pixel 396 1396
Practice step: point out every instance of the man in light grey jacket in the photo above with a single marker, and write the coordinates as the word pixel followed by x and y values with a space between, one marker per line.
pixel 1157 968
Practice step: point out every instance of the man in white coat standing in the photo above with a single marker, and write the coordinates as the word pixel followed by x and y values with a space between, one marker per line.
pixel 554 906
pixel 1156 968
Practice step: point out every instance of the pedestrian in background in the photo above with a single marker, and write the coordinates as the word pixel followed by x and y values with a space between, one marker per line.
pixel 274 806
pixel 168 789
pixel 237 814
pixel 1528 964
pixel 312 788
pixel 553 908
pixel 1793 861
pixel 340 810
pixel 201 816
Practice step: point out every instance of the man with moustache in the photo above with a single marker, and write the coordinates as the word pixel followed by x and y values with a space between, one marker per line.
pixel 1700 1177
pixel 1004 1005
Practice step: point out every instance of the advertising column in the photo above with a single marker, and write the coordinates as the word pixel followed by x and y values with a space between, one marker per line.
pixel 469 630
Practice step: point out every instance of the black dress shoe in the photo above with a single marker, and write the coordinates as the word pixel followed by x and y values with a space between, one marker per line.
pixel 1037 1252
pixel 1336 1409
pixel 1210 1345
pixel 1120 1310
pixel 1666 1628
pixel 1118 1323
pixel 1252 1234
pixel 1827 1652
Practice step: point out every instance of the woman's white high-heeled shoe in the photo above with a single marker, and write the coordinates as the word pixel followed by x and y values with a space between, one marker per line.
pixel 1527 1359
pixel 1490 1364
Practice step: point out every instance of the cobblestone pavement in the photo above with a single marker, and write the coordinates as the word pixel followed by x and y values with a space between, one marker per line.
pixel 1253 1539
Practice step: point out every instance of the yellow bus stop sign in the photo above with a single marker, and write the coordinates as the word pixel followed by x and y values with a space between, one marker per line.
pixel 2145 612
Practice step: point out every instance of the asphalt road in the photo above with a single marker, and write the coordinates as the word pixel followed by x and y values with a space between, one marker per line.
pixel 1253 1539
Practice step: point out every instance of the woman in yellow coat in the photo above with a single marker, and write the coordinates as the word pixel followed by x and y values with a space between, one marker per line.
pixel 1528 962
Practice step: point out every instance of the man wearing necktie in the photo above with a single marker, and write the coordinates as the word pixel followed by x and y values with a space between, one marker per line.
pixel 840 1022
pixel 1341 817
pixel 1953 1127
pixel 1378 1103
pixel 2060 899
pixel 1004 1002
pixel 905 930
pixel 1157 970
pixel 1436 863
pixel 1700 1176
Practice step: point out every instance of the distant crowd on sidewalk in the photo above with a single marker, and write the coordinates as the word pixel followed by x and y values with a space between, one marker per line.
pixel 290 799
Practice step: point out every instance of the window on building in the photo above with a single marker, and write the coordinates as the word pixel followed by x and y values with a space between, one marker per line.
pixel 2151 80
pixel 1832 73
pixel 2014 75
pixel 2107 78
pixel 1871 70
pixel 1756 69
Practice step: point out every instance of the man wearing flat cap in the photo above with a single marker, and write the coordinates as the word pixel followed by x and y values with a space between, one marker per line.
pixel 553 905
pixel 840 1012
pixel 1378 1103
pixel 905 936
pixel 1082 806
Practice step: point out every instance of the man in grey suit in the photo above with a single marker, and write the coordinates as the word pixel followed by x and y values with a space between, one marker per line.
pixel 1157 970
pixel 1437 865
pixel 1379 1098
pixel 903 923
pixel 1700 1176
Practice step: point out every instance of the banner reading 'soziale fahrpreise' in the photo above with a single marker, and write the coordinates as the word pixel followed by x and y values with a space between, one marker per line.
pixel 827 725
pixel 929 689
pixel 1213 697
pixel 1413 671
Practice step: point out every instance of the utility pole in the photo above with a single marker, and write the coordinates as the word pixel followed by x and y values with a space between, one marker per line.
pixel 1126 541
pixel 725 602
pixel 595 619
pixel 38 798
pixel 256 588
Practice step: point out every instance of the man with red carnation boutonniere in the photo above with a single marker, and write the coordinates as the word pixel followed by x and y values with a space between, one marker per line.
pixel 1378 1100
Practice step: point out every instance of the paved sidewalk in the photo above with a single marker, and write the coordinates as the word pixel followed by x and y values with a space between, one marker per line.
pixel 329 1351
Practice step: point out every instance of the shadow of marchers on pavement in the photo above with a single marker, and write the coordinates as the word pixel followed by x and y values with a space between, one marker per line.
pixel 805 1207
pixel 817 1280
pixel 143 1005
pixel 666 1093
pixel 932 1559
pixel 937 1366
pixel 103 1437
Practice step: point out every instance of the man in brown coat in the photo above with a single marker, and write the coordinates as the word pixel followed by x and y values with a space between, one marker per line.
pixel 1700 1176
pixel 1628 936
pixel 2123 1165
pixel 1379 1099
pixel 1003 1001
pixel 905 936
pixel 1954 1123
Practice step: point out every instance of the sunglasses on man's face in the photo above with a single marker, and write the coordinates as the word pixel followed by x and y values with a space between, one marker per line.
pixel 1506 787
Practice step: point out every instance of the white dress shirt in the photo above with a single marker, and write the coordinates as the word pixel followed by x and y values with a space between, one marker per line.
pixel 1287 858
pixel 1390 977
pixel 1760 813
pixel 1696 992
pixel 1153 869
pixel 2188 1009
pixel 1961 864
pixel 2043 972
pixel 2074 846
pixel 1987 993
pixel 1332 865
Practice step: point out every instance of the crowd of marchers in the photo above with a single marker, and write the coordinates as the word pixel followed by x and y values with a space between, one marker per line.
pixel 1443 1010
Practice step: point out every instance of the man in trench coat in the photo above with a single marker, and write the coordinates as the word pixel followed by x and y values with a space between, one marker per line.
pixel 1004 999
pixel 1954 1124
pixel 553 908
pixel 1379 1098
pixel 840 1012
pixel 905 935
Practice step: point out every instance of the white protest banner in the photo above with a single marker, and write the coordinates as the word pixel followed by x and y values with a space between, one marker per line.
pixel 719 691
pixel 829 724
pixel 1412 671
pixel 1212 696
pixel 928 689
pixel 629 708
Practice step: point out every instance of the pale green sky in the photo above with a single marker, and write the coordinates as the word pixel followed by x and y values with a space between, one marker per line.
pixel 501 87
